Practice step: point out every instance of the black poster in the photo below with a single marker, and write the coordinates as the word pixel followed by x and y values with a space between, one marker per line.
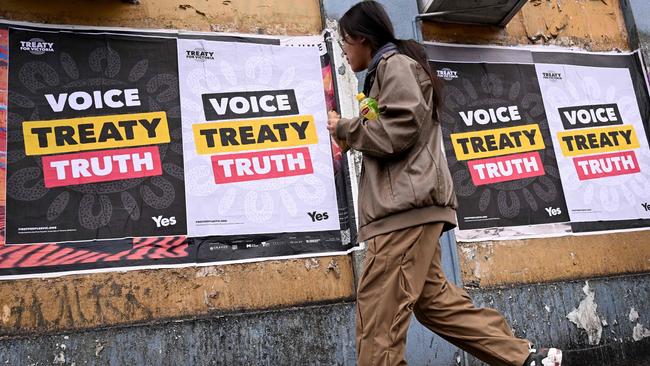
pixel 498 146
pixel 94 138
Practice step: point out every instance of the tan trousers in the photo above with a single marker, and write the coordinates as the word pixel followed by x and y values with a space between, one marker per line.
pixel 403 275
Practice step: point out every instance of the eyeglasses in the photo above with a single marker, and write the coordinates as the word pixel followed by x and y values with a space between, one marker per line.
pixel 342 43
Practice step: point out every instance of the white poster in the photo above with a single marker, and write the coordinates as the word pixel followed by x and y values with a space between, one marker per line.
pixel 257 151
pixel 599 140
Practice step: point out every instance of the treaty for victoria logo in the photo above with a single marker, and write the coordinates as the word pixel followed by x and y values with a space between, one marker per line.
pixel 37 46
pixel 447 74
pixel 552 75
pixel 199 55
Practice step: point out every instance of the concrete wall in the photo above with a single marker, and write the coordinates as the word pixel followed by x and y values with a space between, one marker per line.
pixel 270 338
pixel 78 302
pixel 604 308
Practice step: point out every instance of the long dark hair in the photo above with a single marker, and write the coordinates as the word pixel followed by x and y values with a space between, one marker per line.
pixel 368 19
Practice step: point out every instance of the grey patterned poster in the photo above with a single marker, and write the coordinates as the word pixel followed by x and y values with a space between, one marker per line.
pixel 600 141
pixel 498 145
pixel 94 138
pixel 257 152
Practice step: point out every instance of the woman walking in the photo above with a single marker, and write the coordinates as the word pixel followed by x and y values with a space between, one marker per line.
pixel 406 200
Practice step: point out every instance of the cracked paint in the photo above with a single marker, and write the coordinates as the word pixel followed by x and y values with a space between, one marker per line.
pixel 6 314
pixel 98 348
pixel 312 263
pixel 639 332
pixel 334 267
pixel 585 316
pixel 559 23
pixel 634 315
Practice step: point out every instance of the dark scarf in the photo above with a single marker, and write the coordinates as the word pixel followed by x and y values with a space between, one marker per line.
pixel 372 68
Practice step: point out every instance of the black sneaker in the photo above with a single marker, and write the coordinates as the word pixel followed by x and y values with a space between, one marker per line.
pixel 544 357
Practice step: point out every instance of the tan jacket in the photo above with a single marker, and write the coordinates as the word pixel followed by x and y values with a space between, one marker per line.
pixel 404 180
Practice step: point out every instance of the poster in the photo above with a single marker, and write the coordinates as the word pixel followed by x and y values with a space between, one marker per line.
pixel 74 95
pixel 268 245
pixel 257 153
pixel 593 113
pixel 94 142
pixel 4 75
pixel 600 141
pixel 498 146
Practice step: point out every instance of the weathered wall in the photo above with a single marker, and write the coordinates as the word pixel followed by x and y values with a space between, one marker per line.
pixel 501 270
pixel 592 25
pixel 96 300
pixel 489 264
pixel 539 284
pixel 281 17
pixel 122 298
pixel 593 321
pixel 265 338
pixel 638 13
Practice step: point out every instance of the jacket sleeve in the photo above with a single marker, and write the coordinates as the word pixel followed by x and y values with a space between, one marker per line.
pixel 400 104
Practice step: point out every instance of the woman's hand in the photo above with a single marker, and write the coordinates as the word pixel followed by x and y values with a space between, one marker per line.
pixel 333 119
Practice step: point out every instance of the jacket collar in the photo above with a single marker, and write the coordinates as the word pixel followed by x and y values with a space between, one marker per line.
pixel 383 52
